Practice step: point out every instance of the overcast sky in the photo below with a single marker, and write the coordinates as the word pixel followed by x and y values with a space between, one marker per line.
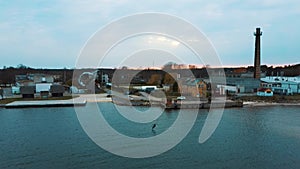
pixel 50 34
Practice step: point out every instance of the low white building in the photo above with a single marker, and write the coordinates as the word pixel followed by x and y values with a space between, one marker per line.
pixel 282 85
pixel 42 87
pixel 144 88
pixel 264 92
pixel 224 89
pixel 15 90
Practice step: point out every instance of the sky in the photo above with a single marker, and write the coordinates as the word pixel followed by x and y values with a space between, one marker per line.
pixel 51 34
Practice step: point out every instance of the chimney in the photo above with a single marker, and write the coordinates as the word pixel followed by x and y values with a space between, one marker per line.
pixel 257 35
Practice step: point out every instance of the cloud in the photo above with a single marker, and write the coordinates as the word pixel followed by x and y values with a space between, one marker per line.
pixel 58 29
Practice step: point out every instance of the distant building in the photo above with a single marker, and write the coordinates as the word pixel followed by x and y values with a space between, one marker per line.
pixel 194 87
pixel 175 66
pixel 27 91
pixel 15 90
pixel 242 84
pixel 175 75
pixel 264 92
pixel 147 89
pixel 42 87
pixel 57 90
pixel 25 83
pixel 282 85
pixel 42 78
pixel 104 78
pixel 226 89
pixel 32 79
pixel 180 66
pixel 20 78
pixel 29 84
pixel 193 67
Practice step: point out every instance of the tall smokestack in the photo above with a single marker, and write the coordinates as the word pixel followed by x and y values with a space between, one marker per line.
pixel 257 35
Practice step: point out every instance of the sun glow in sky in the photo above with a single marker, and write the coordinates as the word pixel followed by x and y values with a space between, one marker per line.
pixel 51 34
pixel 151 51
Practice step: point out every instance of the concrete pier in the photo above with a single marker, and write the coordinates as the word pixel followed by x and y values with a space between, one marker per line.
pixel 204 105
pixel 80 100
pixel 47 103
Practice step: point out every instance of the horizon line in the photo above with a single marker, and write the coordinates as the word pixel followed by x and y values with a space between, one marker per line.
pixel 153 68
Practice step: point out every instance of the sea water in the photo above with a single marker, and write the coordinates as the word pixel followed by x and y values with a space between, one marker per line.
pixel 257 137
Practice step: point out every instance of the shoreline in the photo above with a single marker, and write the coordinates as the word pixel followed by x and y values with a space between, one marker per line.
pixel 266 104
pixel 86 98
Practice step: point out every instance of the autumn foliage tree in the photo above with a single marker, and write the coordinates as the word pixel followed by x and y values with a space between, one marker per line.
pixel 169 80
pixel 155 79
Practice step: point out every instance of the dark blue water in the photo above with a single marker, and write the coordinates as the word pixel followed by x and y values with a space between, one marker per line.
pixel 261 137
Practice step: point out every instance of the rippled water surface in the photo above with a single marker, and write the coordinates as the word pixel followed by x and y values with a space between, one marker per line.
pixel 261 137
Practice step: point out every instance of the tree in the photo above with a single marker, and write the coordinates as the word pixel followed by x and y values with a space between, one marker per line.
pixel 155 79
pixel 69 82
pixel 168 79
pixel 1 93
pixel 21 66
pixel 175 87
pixel 169 65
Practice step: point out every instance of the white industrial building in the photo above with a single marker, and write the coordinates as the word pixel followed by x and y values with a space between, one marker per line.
pixel 225 89
pixel 282 85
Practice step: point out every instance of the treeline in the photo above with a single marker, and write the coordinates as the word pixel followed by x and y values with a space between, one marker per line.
pixel 7 74
pixel 287 70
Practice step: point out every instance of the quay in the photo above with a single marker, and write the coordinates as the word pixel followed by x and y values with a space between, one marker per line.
pixel 122 100
pixel 203 105
pixel 79 100
pixel 46 103
pixel 175 104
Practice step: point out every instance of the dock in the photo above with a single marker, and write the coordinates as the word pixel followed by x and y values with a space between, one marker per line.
pixel 123 100
pixel 47 103
pixel 79 100
pixel 204 105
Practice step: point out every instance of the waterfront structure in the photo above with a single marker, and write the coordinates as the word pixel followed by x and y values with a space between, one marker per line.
pixel 194 87
pixel 15 90
pixel 238 84
pixel 257 35
pixel 42 87
pixel 240 80
pixel 33 79
pixel 30 79
pixel 29 84
pixel 244 85
pixel 26 82
pixel 226 89
pixel 281 84
pixel 147 89
pixel 27 91
pixel 104 78
pixel 42 78
pixel 264 92
pixel 57 90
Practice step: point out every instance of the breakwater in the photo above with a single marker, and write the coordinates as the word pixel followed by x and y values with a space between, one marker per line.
pixel 183 104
